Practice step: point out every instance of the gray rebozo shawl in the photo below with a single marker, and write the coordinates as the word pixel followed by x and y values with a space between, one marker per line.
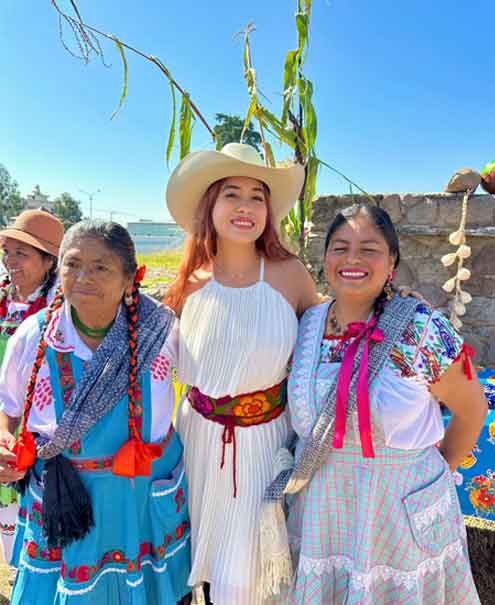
pixel 106 379
pixel 396 316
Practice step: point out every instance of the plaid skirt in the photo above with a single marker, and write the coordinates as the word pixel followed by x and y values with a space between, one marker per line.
pixel 386 530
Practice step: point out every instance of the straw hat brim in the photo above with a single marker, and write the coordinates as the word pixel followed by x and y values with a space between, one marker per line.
pixel 197 171
pixel 26 238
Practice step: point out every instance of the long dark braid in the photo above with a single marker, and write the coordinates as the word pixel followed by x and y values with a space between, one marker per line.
pixel 50 276
pixel 134 405
pixel 56 303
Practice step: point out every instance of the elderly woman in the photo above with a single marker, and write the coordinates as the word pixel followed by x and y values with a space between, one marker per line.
pixel 103 515
pixel 29 254
pixel 376 517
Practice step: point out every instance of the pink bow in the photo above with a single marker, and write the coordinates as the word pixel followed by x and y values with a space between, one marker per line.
pixel 359 330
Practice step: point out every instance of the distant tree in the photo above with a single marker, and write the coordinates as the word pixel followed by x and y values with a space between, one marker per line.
pixel 11 203
pixel 67 209
pixel 229 128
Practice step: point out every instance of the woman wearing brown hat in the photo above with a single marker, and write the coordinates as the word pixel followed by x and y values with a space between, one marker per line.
pixel 29 253
pixel 239 293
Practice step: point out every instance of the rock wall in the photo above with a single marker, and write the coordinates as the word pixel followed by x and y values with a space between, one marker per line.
pixel 424 222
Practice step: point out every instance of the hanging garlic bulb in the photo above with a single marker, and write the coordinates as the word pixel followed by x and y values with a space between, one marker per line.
pixel 463 274
pixel 449 285
pixel 449 259
pixel 464 251
pixel 457 238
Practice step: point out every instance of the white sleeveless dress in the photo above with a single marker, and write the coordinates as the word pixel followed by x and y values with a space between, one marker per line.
pixel 231 341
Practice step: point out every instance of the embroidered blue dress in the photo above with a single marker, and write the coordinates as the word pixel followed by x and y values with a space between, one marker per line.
pixel 138 553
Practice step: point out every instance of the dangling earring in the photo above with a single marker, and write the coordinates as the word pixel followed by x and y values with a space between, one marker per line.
pixel 388 288
pixel 128 299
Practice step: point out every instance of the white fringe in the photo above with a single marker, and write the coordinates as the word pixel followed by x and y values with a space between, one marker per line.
pixel 276 563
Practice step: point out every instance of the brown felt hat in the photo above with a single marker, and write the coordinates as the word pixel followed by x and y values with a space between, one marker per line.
pixel 37 228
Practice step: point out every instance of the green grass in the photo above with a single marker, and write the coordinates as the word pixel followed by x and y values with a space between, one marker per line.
pixel 167 260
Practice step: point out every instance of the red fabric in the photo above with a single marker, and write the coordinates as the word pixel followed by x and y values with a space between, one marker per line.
pixel 465 354
pixel 135 458
pixel 25 451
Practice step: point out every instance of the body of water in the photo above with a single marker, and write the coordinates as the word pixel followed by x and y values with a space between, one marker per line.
pixel 154 236
pixel 158 243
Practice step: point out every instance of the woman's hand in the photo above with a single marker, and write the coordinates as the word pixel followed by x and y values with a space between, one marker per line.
pixel 406 291
pixel 7 459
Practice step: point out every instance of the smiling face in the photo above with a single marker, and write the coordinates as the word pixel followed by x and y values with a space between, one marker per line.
pixel 358 260
pixel 93 278
pixel 240 210
pixel 26 266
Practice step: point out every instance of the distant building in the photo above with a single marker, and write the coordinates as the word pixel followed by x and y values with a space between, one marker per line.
pixel 36 200
pixel 149 228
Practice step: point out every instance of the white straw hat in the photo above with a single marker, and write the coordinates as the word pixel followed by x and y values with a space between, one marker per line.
pixel 199 169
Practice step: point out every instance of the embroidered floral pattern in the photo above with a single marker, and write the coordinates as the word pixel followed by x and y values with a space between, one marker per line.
pixel 93 464
pixel 67 385
pixel 85 573
pixel 243 410
pixel 160 368
pixel 34 551
pixel 427 347
pixel 43 394
pixel 180 500
pixel 36 514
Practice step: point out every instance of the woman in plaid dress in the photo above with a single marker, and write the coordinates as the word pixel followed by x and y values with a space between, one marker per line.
pixel 379 522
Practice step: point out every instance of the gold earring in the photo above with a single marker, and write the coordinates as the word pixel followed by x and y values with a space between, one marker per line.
pixel 388 287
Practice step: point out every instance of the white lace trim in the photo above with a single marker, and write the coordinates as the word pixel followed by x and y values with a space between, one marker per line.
pixel 363 581
pixel 438 509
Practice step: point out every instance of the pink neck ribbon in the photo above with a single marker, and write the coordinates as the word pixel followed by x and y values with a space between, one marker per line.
pixel 359 330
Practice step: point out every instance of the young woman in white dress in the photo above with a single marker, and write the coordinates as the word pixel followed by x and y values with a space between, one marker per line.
pixel 238 293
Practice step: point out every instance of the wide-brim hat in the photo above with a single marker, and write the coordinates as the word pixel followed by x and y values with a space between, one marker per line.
pixel 200 169
pixel 37 228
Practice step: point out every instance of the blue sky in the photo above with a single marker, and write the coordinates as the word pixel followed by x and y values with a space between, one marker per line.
pixel 404 91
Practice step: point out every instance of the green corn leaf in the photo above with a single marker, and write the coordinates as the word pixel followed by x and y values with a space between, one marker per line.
pixel 310 129
pixel 185 126
pixel 346 178
pixel 268 153
pixel 275 126
pixel 310 184
pixel 302 31
pixel 123 94
pixel 171 134
pixel 290 76
pixel 251 112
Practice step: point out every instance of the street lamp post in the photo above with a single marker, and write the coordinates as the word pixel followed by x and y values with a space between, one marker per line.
pixel 90 196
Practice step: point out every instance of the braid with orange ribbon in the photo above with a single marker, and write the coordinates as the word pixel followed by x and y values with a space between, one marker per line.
pixel 25 447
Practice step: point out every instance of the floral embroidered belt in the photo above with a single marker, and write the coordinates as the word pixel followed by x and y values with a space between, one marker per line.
pixel 105 463
pixel 248 409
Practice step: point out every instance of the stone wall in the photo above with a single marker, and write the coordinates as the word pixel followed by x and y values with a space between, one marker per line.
pixel 424 222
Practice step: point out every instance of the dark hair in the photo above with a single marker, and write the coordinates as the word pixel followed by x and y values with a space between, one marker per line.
pixel 51 274
pixel 115 237
pixel 378 217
